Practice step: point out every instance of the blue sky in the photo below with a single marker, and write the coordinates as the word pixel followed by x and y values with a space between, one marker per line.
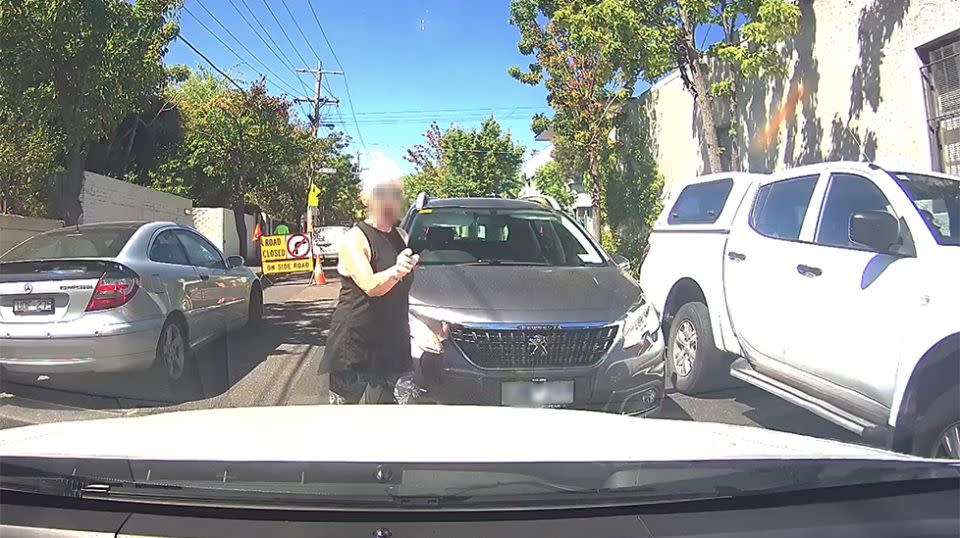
pixel 407 63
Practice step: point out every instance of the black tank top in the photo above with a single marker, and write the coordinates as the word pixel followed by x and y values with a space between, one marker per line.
pixel 372 334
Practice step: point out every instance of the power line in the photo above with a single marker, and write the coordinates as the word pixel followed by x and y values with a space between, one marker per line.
pixel 213 65
pixel 228 47
pixel 235 38
pixel 299 29
pixel 490 109
pixel 346 85
pixel 279 50
pixel 284 32
pixel 276 52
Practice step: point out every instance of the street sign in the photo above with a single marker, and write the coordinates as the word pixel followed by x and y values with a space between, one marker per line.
pixel 298 246
pixel 304 265
pixel 285 254
pixel 327 171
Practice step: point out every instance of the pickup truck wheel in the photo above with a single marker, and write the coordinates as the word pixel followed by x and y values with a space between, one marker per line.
pixel 938 430
pixel 691 355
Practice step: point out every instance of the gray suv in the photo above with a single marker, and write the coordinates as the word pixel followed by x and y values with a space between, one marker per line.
pixel 513 303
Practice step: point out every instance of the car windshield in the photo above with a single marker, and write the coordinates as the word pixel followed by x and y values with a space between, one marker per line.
pixel 938 201
pixel 77 242
pixel 449 236
pixel 367 234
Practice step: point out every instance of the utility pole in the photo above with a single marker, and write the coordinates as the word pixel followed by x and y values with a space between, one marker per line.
pixel 317 102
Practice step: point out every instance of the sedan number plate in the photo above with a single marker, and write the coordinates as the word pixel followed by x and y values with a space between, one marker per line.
pixel 33 306
pixel 536 394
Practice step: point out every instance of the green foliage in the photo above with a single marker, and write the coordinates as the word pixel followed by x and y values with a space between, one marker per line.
pixel 462 162
pixel 230 136
pixel 27 161
pixel 71 70
pixel 549 180
pixel 588 55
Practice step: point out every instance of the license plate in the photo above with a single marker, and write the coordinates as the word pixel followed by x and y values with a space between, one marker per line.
pixel 33 306
pixel 534 394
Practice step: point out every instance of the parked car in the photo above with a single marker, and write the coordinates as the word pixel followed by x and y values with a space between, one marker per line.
pixel 119 296
pixel 326 242
pixel 835 284
pixel 515 304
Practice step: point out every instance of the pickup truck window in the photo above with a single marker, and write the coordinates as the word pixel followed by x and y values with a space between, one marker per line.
pixel 938 201
pixel 780 207
pixel 700 203
pixel 847 194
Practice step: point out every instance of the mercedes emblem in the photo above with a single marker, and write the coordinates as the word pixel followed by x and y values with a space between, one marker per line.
pixel 28 288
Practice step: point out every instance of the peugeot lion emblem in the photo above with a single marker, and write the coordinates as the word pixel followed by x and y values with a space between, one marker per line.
pixel 537 345
pixel 28 288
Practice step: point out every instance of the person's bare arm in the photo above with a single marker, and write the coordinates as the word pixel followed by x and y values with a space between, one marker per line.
pixel 355 263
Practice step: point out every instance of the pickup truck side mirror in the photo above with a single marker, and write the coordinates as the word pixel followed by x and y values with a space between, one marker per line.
pixel 234 261
pixel 621 262
pixel 877 230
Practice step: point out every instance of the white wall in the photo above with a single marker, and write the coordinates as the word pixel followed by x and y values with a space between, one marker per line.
pixel 855 69
pixel 104 199
pixel 217 225
pixel 15 229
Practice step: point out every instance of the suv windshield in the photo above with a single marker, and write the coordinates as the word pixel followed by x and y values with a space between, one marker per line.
pixel 496 236
pixel 938 200
pixel 77 242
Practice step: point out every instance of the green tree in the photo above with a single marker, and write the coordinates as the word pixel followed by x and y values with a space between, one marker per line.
pixel 466 162
pixel 549 180
pixel 591 52
pixel 233 141
pixel 588 54
pixel 753 32
pixel 27 162
pixel 285 194
pixel 72 70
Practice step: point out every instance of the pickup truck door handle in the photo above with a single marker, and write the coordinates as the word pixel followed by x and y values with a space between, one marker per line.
pixel 806 270
pixel 736 256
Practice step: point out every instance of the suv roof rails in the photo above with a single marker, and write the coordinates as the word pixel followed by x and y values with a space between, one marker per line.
pixel 544 199
pixel 421 200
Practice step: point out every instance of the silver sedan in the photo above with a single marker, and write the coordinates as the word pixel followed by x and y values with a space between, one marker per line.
pixel 119 296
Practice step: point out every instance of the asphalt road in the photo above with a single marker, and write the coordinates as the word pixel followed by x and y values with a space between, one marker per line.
pixel 277 365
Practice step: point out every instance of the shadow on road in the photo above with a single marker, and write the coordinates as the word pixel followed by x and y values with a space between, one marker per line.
pixel 215 369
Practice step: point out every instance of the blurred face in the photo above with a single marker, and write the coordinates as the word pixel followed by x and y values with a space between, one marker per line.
pixel 383 203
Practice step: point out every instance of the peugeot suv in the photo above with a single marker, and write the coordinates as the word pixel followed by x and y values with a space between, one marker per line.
pixel 515 304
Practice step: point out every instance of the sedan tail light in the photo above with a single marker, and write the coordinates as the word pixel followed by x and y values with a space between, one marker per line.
pixel 113 290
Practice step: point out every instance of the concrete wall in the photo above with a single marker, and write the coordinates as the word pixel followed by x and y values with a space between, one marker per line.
pixel 15 229
pixel 104 199
pixel 853 91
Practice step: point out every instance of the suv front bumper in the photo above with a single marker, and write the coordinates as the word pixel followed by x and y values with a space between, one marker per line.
pixel 627 381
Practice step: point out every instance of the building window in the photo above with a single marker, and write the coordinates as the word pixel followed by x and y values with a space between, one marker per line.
pixel 941 74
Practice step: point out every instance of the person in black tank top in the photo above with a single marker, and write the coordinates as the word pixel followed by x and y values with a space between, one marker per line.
pixel 368 347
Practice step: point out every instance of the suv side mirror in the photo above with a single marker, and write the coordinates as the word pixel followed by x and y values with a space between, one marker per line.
pixel 621 262
pixel 234 261
pixel 877 230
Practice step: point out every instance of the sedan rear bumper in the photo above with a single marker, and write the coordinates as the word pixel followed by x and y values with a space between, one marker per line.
pixel 117 348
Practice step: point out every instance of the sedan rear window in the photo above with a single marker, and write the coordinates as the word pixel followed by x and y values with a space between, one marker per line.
pixel 72 242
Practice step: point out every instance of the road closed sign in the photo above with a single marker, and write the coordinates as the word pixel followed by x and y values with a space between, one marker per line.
pixel 285 254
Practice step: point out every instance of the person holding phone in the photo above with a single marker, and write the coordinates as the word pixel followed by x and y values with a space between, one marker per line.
pixel 368 347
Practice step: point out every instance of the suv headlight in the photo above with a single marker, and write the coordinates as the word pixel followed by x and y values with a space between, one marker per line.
pixel 423 338
pixel 640 325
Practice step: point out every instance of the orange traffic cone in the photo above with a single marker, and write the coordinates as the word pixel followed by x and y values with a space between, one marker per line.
pixel 318 278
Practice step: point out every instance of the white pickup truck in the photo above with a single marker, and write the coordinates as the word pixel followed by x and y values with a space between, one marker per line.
pixel 834 286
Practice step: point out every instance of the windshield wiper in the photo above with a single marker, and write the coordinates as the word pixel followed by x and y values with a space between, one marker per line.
pixel 495 261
